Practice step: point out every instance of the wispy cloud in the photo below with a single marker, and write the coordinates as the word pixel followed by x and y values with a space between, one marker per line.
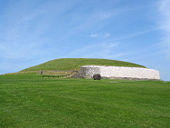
pixel 164 22
pixel 94 35
pixel 138 33
pixel 22 35
pixel 98 50
pixel 106 14
pixel 107 35
pixel 100 35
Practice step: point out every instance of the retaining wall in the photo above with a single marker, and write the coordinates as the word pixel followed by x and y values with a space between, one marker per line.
pixel 118 72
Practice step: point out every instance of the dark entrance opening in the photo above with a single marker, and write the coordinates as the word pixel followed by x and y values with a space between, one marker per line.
pixel 97 77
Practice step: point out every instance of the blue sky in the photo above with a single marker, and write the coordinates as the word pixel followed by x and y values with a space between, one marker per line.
pixel 35 31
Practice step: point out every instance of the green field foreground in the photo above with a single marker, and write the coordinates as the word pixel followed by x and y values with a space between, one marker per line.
pixel 29 101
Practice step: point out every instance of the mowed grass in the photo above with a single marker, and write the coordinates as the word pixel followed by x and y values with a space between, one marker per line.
pixel 75 63
pixel 28 101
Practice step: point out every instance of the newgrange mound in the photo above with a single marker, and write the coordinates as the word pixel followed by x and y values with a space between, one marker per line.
pixel 79 68
pixel 65 64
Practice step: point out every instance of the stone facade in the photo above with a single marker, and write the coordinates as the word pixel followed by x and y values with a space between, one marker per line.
pixel 118 72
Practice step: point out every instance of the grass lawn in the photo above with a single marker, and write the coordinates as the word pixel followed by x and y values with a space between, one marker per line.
pixel 28 101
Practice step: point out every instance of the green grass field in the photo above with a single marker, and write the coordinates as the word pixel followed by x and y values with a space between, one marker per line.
pixel 75 63
pixel 29 101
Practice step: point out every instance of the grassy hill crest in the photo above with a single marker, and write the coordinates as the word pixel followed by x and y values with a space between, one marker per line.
pixel 75 63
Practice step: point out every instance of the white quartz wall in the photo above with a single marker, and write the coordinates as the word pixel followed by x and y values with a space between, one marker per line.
pixel 119 72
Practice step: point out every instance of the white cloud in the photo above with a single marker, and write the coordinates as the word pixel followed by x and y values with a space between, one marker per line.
pixel 100 35
pixel 106 35
pixel 94 35
pixel 105 15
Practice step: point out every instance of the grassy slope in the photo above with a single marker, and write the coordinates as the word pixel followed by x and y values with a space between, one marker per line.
pixel 29 101
pixel 75 63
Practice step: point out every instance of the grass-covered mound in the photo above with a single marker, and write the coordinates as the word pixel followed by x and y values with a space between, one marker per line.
pixel 75 63
pixel 29 101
